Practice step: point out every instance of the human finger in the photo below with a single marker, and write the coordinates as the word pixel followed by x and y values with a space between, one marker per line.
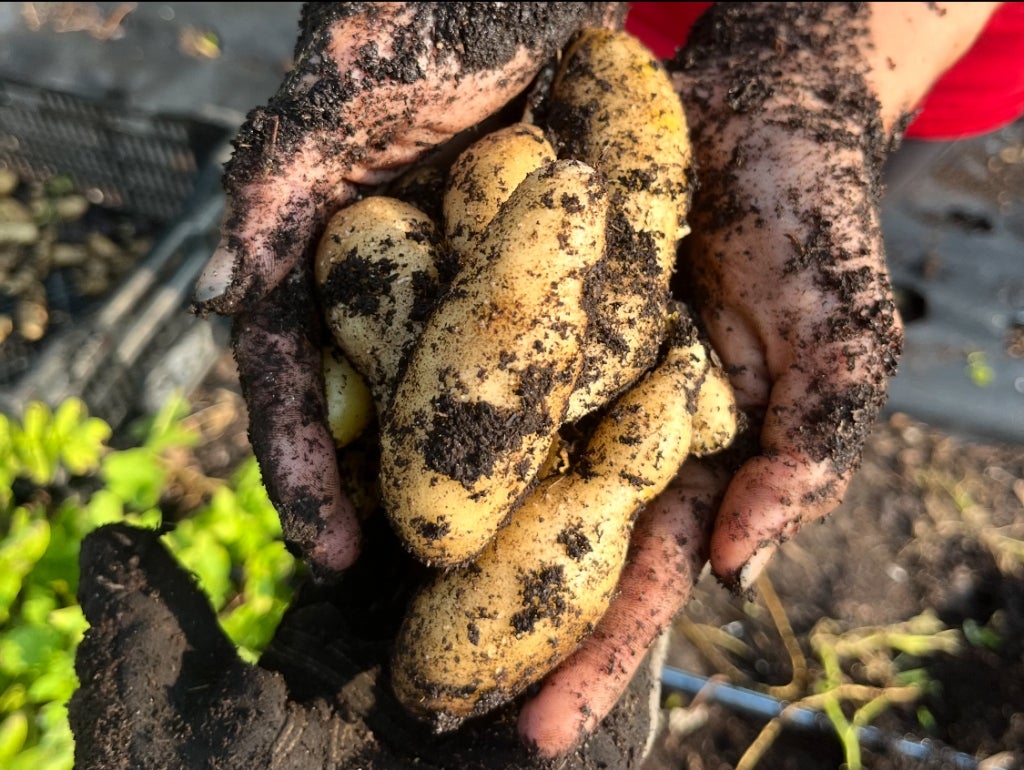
pixel 278 351
pixel 667 552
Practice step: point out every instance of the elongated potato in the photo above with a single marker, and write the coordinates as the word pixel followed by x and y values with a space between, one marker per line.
pixel 614 108
pixel 483 177
pixel 477 636
pixel 377 271
pixel 486 386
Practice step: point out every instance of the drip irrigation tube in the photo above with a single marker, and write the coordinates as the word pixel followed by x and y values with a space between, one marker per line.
pixel 759 705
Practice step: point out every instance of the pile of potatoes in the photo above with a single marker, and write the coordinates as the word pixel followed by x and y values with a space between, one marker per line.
pixel 534 382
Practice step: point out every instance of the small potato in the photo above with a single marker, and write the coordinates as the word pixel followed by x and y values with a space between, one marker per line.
pixel 716 417
pixel 486 385
pixel 349 403
pixel 377 272
pixel 477 636
pixel 483 177
pixel 614 108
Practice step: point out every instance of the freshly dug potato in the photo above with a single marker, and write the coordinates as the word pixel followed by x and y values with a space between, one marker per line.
pixel 478 636
pixel 377 271
pixel 487 383
pixel 716 418
pixel 614 108
pixel 349 402
pixel 483 177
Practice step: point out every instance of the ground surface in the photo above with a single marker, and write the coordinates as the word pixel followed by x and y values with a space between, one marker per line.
pixel 921 529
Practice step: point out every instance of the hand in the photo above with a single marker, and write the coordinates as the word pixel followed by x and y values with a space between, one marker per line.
pixel 162 687
pixel 792 108
pixel 786 266
pixel 375 87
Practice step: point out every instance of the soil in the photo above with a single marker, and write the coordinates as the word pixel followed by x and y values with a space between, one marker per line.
pixel 919 531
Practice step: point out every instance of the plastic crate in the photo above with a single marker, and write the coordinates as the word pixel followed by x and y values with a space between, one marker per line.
pixel 126 350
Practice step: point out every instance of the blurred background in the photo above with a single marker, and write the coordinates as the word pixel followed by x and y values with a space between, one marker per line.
pixel 118 404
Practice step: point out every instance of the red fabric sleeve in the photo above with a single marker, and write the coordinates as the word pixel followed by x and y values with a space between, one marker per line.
pixel 982 92
pixel 663 27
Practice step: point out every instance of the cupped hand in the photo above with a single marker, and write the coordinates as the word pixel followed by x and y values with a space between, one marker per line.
pixel 375 87
pixel 785 265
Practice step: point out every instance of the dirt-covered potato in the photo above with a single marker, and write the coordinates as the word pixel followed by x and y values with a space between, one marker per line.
pixel 377 271
pixel 613 107
pixel 546 301
pixel 478 636
pixel 487 383
pixel 483 177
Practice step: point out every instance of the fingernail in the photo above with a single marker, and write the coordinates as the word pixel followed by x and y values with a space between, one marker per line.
pixel 751 571
pixel 215 278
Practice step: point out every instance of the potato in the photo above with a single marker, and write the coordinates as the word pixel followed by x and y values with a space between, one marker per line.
pixel 349 402
pixel 377 272
pixel 614 108
pixel 483 177
pixel 487 383
pixel 716 417
pixel 560 306
pixel 478 636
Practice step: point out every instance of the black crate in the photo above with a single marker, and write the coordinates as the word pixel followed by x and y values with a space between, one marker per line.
pixel 160 173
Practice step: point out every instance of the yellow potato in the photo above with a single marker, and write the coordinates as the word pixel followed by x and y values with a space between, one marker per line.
pixel 716 417
pixel 377 272
pixel 483 177
pixel 614 108
pixel 487 383
pixel 349 402
pixel 477 636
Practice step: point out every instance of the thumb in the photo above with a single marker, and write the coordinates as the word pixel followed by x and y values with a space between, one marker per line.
pixel 161 686
pixel 272 214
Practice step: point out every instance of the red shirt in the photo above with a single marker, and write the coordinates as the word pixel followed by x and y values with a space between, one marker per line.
pixel 982 92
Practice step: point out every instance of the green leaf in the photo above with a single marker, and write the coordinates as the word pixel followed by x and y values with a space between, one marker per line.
pixel 44 756
pixel 31 446
pixel 205 557
pixel 25 649
pixel 21 549
pixel 69 621
pixel 81 440
pixel 13 732
pixel 134 475
pixel 13 698
pixel 104 507
pixel 37 604
pixel 57 682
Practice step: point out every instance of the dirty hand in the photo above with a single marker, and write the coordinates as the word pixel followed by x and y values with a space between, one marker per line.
pixel 792 109
pixel 785 265
pixel 375 87
pixel 163 687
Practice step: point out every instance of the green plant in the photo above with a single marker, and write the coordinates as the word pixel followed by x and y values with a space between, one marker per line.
pixel 60 479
